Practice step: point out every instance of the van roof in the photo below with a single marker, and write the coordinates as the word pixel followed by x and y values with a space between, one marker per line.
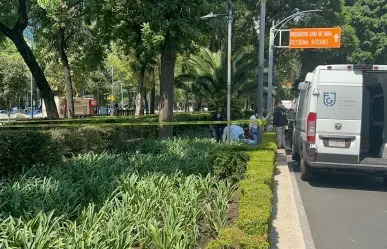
pixel 353 67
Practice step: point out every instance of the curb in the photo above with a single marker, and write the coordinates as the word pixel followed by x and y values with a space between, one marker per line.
pixel 308 239
pixel 289 228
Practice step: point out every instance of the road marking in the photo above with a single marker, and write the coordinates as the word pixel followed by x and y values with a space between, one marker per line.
pixel 308 238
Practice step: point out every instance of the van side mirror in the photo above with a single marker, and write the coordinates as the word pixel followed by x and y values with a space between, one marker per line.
pixel 303 86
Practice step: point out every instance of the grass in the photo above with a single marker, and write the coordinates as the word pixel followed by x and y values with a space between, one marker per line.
pixel 158 195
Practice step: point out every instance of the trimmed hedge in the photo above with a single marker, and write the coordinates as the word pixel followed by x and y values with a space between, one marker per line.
pixel 230 165
pixel 202 116
pixel 29 147
pixel 20 149
pixel 255 194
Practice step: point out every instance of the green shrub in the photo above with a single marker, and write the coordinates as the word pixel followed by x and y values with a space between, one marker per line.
pixel 19 149
pixel 230 165
pixel 255 195
pixel 235 238
pixel 98 138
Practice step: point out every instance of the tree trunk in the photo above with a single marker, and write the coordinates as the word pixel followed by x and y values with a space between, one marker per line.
pixel 140 88
pixel 168 60
pixel 67 73
pixel 186 101
pixel 146 102
pixel 41 82
pixel 198 104
pixel 153 92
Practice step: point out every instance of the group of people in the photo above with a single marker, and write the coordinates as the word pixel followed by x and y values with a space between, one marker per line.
pixel 237 133
pixel 251 133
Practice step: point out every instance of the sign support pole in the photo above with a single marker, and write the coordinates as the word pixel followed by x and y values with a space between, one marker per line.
pixel 273 33
pixel 269 103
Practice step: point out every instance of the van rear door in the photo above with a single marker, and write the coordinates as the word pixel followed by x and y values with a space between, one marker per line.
pixel 339 115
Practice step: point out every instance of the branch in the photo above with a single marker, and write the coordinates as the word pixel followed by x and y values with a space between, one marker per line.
pixel 22 21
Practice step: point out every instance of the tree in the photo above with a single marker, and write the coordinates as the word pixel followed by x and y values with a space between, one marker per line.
pixel 123 69
pixel 368 17
pixel 128 27
pixel 64 26
pixel 14 20
pixel 146 54
pixel 207 76
pixel 179 23
pixel 13 81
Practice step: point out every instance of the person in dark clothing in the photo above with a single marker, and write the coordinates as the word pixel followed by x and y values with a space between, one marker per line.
pixel 217 129
pixel 280 122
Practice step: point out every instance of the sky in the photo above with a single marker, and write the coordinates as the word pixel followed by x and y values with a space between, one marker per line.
pixel 28 36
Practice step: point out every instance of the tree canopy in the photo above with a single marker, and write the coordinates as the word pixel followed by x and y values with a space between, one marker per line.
pixel 152 43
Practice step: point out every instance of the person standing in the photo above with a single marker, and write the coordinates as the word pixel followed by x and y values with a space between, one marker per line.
pixel 254 127
pixel 217 129
pixel 280 122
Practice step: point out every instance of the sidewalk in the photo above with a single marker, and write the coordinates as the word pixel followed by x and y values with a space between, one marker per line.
pixel 286 232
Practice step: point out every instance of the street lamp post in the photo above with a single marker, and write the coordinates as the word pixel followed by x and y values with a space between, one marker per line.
pixel 261 59
pixel 229 49
pixel 122 97
pixel 273 33
pixel 32 95
pixel 112 80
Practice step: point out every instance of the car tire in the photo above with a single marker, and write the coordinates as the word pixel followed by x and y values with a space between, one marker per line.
pixel 306 170
pixel 295 155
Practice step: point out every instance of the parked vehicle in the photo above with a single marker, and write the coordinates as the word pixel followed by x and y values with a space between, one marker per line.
pixel 340 122
pixel 82 107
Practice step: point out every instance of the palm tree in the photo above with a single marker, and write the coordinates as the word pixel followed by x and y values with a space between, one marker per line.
pixel 205 76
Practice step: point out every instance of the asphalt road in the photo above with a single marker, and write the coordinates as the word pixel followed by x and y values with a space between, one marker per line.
pixel 345 212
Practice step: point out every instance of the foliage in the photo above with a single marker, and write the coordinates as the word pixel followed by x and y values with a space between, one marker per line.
pixel 123 71
pixel 13 76
pixel 77 140
pixel 62 29
pixel 255 196
pixel 367 18
pixel 24 149
pixel 115 201
pixel 230 165
pixel 207 75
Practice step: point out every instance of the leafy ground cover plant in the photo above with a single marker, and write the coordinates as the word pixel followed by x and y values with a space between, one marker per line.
pixel 163 197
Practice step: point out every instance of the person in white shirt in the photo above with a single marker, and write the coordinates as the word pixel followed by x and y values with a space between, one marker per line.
pixel 237 133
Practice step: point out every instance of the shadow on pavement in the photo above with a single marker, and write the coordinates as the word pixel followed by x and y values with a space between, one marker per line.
pixel 342 181
pixel 274 235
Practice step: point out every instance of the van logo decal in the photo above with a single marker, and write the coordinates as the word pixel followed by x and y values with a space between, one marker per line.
pixel 329 98
pixel 338 126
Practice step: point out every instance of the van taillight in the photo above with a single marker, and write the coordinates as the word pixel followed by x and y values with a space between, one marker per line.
pixel 311 127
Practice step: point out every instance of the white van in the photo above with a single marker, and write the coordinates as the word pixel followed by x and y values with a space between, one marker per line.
pixel 341 120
